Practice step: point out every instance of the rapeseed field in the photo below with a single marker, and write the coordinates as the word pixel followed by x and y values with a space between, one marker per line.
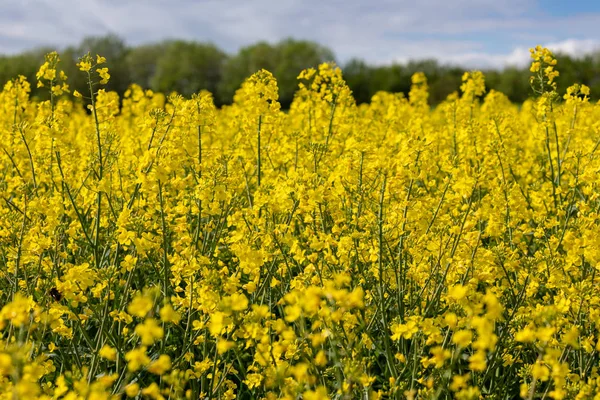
pixel 156 247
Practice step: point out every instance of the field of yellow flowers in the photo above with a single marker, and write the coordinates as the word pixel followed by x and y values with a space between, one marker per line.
pixel 157 247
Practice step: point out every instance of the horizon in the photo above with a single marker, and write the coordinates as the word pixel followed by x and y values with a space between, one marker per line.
pixel 560 49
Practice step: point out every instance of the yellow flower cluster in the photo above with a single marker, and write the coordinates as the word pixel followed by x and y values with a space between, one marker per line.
pixel 158 247
pixel 544 68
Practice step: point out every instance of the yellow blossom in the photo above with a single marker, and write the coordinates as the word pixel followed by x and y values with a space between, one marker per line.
pixel 137 358
pixel 161 365
pixel 149 331
pixel 84 66
pixel 168 314
pixel 108 352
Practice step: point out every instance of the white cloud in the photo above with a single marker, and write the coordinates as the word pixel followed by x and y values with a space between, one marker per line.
pixel 474 33
pixel 574 47
pixel 520 56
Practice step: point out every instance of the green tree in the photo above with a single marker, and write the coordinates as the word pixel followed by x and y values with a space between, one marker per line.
pixel 358 76
pixel 285 60
pixel 188 67
pixel 142 63
pixel 512 81
pixel 110 46
pixel 26 64
pixel 292 57
pixel 240 66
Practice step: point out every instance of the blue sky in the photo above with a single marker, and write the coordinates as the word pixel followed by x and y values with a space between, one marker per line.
pixel 561 7
pixel 472 33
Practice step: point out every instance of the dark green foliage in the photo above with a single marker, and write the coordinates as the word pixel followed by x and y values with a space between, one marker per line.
pixel 188 67
pixel 26 64
pixel 112 48
pixel 285 60
pixel 142 62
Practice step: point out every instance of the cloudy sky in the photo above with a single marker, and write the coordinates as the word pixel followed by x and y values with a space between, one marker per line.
pixel 475 33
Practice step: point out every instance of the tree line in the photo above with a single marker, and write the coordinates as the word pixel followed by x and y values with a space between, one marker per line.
pixel 189 66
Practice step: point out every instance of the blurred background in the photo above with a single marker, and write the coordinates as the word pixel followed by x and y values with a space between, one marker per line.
pixel 186 46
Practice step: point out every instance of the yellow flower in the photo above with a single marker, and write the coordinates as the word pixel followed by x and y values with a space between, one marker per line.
pixel 585 90
pixel 545 334
pixel 84 66
pixel 6 367
pixel 161 365
pixel 149 331
pixel 100 59
pixel 451 319
pixel 321 359
pixel 571 337
pixel 440 355
pixel 18 311
pixel 61 386
pixel 462 338
pixel 525 335
pixel 405 331
pixel 137 358
pixel 319 394
pixel 140 306
pixel 477 361
pixel 168 314
pixel 457 292
pixel 224 346
pixel 104 75
pixel 540 371
pixel 218 321
pixel 153 391
pixel 459 382
pixel 132 390
pixel 535 67
pixel 239 302
pixel 292 312
pixel 253 380
pixel 108 352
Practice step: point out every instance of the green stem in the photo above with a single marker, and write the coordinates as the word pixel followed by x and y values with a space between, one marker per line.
pixel 258 161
